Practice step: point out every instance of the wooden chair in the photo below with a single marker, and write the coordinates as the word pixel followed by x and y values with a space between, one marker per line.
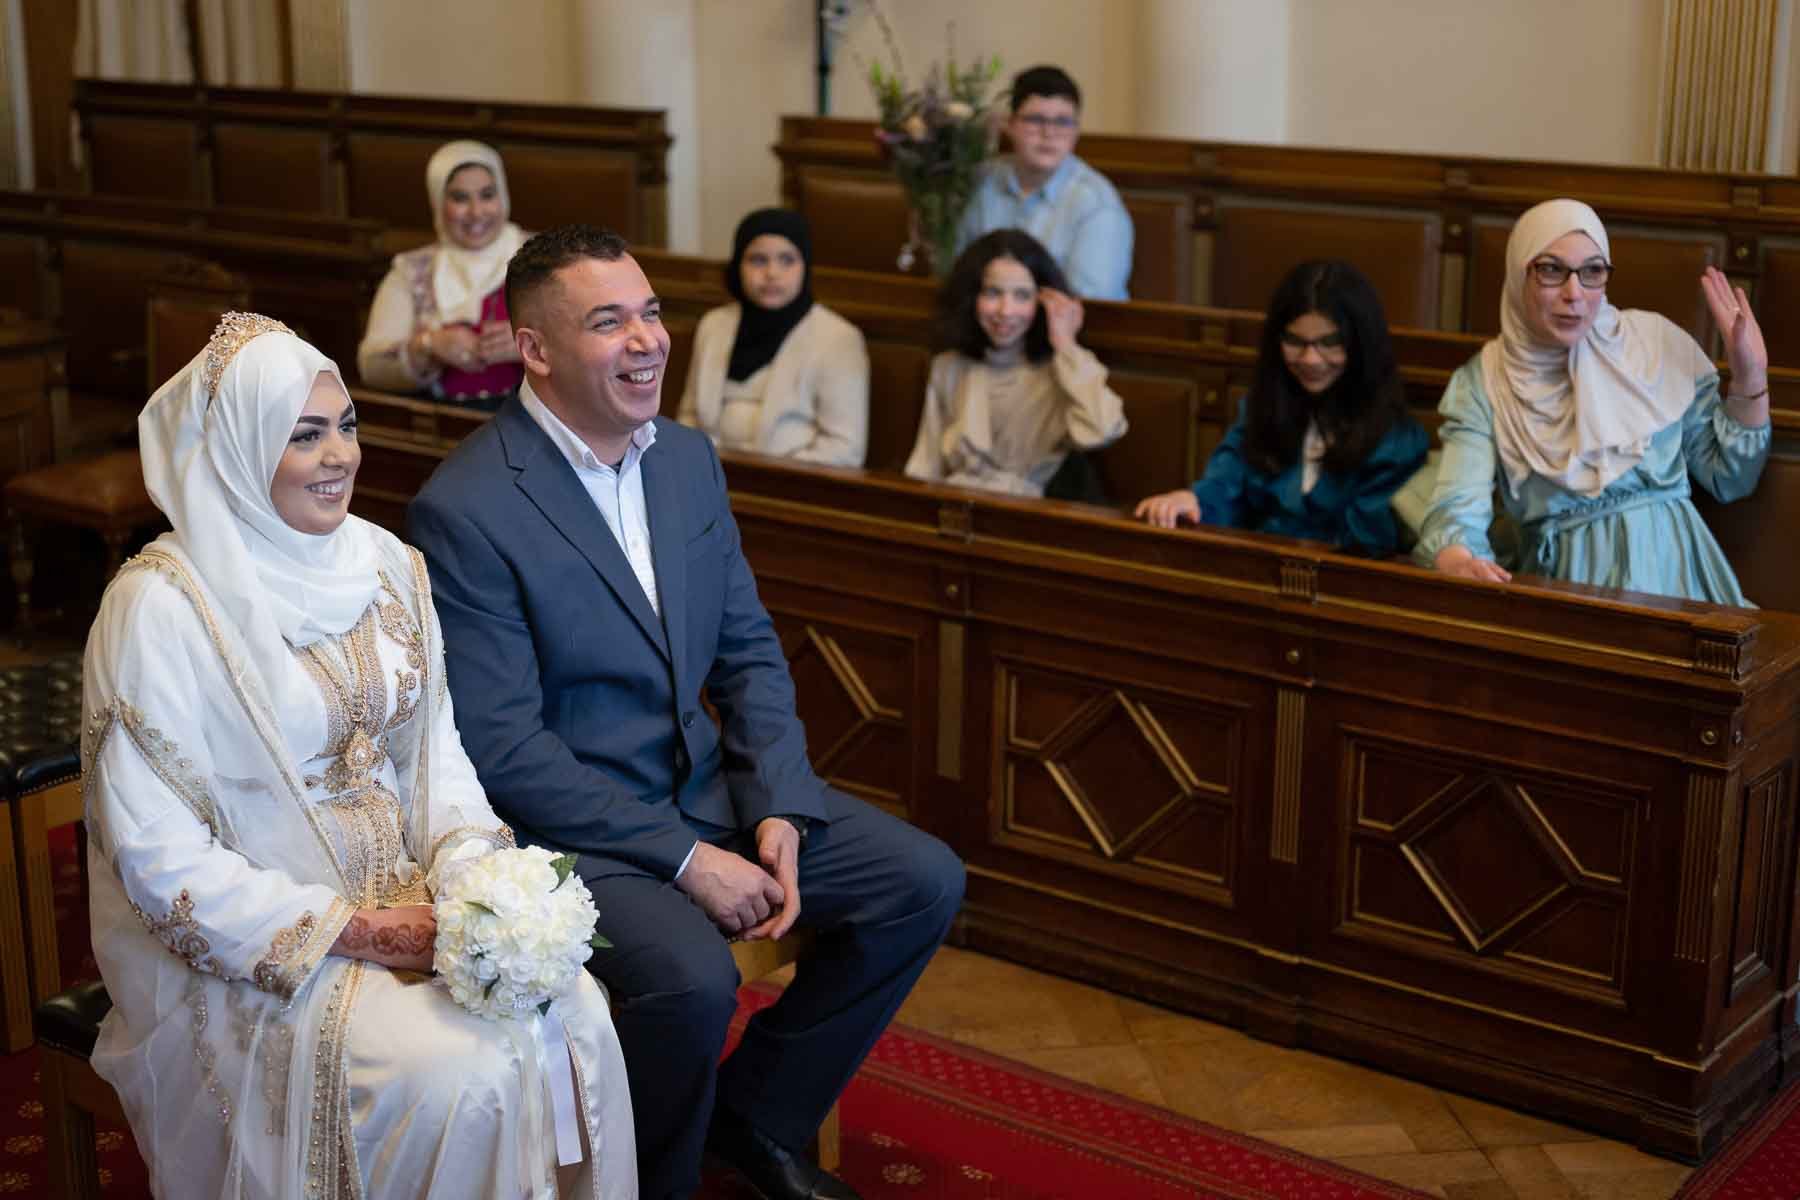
pixel 73 1095
pixel 40 729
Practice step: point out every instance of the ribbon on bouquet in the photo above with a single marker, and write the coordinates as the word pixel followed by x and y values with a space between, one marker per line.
pixel 552 1043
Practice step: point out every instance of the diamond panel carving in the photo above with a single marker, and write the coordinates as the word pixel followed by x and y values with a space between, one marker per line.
pixel 1147 780
pixel 850 687
pixel 1529 866
pixel 1456 855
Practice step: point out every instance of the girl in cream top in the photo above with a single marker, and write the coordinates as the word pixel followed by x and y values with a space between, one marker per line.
pixel 1016 394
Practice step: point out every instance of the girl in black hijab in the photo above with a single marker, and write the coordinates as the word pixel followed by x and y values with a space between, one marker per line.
pixel 776 372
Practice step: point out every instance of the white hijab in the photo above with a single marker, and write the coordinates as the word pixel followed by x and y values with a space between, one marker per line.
pixel 209 458
pixel 1581 417
pixel 461 278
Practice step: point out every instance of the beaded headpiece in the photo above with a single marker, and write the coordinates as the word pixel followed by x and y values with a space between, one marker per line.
pixel 233 334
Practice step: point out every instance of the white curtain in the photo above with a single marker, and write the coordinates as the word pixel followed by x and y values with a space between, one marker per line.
pixel 1719 66
pixel 240 43
pixel 133 39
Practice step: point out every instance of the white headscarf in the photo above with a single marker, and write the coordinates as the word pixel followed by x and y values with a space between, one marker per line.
pixel 1581 417
pixel 209 459
pixel 461 278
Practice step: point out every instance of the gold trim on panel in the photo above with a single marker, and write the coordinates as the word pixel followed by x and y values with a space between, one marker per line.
pixel 1333 968
pixel 951 667
pixel 1699 865
pixel 1290 749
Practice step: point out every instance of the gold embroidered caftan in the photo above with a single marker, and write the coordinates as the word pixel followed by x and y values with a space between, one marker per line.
pixel 233 836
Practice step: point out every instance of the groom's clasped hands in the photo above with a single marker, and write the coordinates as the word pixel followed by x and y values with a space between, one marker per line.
pixel 744 900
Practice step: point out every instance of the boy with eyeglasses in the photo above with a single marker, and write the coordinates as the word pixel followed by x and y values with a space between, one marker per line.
pixel 1045 190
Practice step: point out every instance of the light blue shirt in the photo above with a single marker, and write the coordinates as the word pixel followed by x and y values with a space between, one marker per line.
pixel 619 495
pixel 1076 214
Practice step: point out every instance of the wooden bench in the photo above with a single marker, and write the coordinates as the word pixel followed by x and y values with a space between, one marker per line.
pixel 1218 223
pixel 361 156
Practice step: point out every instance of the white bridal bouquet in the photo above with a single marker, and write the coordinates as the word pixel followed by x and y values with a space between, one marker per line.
pixel 513 931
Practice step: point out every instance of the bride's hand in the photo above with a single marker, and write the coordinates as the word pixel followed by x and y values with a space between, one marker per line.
pixel 403 938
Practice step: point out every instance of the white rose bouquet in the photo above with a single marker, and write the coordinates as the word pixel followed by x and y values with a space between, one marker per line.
pixel 513 931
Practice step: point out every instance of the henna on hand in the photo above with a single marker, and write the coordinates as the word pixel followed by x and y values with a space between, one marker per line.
pixel 396 943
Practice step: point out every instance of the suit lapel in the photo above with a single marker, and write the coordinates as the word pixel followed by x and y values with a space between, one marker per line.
pixel 668 547
pixel 550 483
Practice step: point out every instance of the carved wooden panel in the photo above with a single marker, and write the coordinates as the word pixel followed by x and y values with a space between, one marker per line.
pixel 144 157
pixel 387 178
pixel 1162 248
pixel 1137 781
pixel 1259 242
pixel 105 289
pixel 252 162
pixel 1777 299
pixel 561 185
pixel 1764 853
pixel 681 328
pixel 854 689
pixel 898 373
pixel 1158 452
pixel 1425 828
pixel 858 218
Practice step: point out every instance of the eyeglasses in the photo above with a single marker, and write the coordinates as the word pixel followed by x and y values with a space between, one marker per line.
pixel 1553 273
pixel 1329 346
pixel 1042 124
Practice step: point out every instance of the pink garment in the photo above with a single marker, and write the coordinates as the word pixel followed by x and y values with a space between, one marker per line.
pixel 490 381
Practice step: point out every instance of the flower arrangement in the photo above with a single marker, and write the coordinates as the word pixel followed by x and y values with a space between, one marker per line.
pixel 936 137
pixel 512 932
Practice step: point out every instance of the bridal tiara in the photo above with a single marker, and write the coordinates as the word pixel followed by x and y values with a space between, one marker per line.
pixel 233 334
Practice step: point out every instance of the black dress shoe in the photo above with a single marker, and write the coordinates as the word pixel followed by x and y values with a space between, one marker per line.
pixel 772 1171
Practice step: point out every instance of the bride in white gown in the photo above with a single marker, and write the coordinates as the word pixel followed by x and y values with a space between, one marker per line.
pixel 274 786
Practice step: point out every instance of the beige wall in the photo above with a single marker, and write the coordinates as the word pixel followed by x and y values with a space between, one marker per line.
pixel 518 51
pixel 1559 79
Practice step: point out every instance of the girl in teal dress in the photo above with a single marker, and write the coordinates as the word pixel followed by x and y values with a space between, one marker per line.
pixel 1324 438
pixel 1593 421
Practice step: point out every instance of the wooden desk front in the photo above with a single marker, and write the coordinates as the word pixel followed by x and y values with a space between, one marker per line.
pixel 1535 843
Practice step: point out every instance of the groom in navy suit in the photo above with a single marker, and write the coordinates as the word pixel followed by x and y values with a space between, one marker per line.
pixel 592 591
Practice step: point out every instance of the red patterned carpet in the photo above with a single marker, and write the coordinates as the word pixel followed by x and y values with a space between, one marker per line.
pixel 1762 1162
pixel 930 1120
pixel 926 1119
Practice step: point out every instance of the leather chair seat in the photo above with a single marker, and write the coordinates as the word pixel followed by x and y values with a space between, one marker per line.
pixel 99 493
pixel 70 1021
pixel 40 723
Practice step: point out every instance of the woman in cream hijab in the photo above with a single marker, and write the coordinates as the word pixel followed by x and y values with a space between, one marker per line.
pixel 1592 421
pixel 274 788
pixel 439 320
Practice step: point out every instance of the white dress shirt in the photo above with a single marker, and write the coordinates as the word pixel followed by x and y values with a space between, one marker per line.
pixel 619 495
pixel 618 492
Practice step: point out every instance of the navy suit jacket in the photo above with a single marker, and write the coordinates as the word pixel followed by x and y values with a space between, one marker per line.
pixel 580 708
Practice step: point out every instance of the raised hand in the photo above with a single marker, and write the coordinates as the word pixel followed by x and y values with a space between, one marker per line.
pixel 1461 561
pixel 1063 314
pixel 1170 509
pixel 735 894
pixel 1744 347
